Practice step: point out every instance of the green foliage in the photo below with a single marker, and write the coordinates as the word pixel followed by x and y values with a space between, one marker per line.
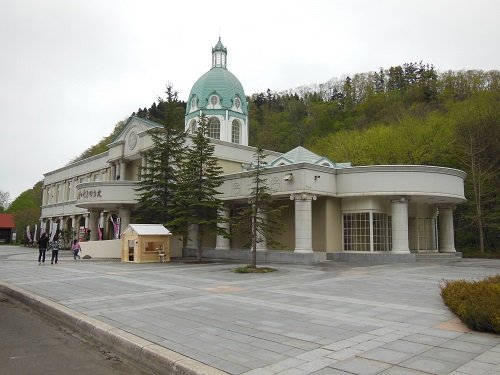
pixel 159 179
pixel 259 220
pixel 476 303
pixel 253 269
pixel 26 209
pixel 102 146
pixel 407 114
pixel 196 199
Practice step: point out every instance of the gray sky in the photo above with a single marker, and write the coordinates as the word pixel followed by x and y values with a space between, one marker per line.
pixel 70 70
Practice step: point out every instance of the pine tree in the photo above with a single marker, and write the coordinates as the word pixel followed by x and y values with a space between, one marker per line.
pixel 196 197
pixel 160 176
pixel 260 220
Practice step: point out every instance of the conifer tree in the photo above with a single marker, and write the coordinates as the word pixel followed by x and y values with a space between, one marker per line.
pixel 197 205
pixel 160 176
pixel 259 220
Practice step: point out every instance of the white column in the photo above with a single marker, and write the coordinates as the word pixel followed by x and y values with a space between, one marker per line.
pixel 73 227
pixel 122 170
pixel 143 167
pixel 303 221
pixel 124 214
pixel 192 236
pixel 101 224
pixel 86 216
pixel 222 242
pixel 113 171
pixel 445 228
pixel 400 225
pixel 94 217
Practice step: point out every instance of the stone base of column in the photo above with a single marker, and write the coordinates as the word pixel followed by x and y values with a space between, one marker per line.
pixel 447 251
pixel 303 251
pixel 400 252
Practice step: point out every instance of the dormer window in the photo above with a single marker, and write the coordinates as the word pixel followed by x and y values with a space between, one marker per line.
pixel 193 103
pixel 214 100
pixel 237 103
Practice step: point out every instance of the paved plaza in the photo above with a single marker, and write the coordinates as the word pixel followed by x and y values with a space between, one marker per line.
pixel 332 318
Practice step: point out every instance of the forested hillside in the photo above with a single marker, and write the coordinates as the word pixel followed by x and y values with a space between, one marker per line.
pixel 409 114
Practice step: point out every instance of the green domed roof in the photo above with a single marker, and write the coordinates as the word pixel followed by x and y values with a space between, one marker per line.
pixel 218 81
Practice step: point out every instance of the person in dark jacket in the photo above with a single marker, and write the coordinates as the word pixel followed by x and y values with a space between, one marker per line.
pixel 42 248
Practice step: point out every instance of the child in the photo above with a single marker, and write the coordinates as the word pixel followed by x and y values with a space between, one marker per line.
pixel 76 249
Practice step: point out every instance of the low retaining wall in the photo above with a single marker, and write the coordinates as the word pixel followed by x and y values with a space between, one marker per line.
pixel 371 258
pixel 272 256
pixel 102 249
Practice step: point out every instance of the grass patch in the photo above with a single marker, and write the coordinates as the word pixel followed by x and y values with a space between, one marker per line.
pixel 476 303
pixel 250 269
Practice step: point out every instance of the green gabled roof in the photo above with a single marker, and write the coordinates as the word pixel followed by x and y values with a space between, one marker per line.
pixel 300 155
pixel 218 81
pixel 303 155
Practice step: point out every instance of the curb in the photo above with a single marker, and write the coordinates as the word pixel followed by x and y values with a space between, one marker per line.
pixel 140 351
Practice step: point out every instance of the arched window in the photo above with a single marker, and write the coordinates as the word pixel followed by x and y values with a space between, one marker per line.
pixel 192 127
pixel 235 134
pixel 214 128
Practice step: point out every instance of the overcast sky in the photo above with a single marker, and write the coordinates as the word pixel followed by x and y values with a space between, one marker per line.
pixel 70 70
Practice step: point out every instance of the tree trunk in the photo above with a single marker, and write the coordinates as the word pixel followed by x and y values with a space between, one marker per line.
pixel 254 241
pixel 199 248
pixel 481 235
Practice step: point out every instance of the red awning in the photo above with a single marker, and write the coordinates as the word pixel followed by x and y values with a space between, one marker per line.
pixel 7 221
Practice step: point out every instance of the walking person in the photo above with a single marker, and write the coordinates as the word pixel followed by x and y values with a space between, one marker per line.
pixel 54 245
pixel 42 248
pixel 76 249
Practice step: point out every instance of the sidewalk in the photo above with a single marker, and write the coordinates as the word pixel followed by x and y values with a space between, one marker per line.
pixel 205 319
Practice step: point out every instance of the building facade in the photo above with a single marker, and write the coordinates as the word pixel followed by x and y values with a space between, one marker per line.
pixel 331 210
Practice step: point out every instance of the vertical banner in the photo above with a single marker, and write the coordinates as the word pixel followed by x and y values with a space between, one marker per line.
pixel 28 234
pixel 116 229
pixel 53 231
pixel 118 223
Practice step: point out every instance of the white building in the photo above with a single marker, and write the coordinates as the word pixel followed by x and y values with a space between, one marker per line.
pixel 333 211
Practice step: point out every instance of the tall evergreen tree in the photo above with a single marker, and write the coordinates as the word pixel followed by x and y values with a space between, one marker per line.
pixel 259 221
pixel 160 176
pixel 197 205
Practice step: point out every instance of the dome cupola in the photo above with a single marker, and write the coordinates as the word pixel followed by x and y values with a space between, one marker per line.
pixel 220 96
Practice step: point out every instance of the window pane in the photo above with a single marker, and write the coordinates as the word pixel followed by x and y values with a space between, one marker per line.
pixel 235 137
pixel 214 128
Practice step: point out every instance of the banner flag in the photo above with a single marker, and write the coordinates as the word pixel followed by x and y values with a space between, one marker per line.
pixel 28 234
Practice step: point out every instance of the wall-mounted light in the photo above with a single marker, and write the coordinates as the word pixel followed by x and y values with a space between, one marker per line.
pixel 316 178
pixel 288 177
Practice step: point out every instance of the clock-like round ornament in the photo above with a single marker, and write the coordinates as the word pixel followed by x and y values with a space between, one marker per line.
pixel 132 140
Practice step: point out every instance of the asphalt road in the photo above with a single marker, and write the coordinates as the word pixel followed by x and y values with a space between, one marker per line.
pixel 30 344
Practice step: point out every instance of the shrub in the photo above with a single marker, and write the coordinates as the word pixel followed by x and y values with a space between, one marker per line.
pixel 250 269
pixel 476 303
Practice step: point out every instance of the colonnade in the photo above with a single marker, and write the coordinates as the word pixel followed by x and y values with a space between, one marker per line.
pixel 399 233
